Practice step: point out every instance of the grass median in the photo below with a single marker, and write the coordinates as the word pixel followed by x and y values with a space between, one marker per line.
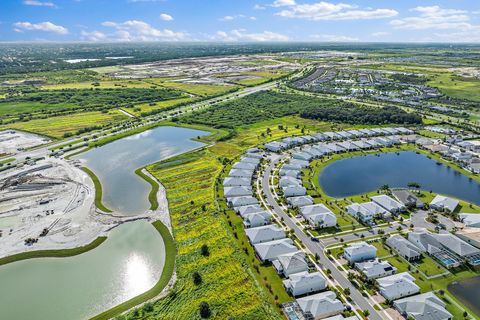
pixel 98 190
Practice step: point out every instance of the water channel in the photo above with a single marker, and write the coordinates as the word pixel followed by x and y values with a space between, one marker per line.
pixel 127 264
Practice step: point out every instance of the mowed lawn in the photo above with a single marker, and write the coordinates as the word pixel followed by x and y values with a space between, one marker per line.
pixel 147 107
pixel 103 84
pixel 202 90
pixel 56 127
pixel 457 87
pixel 227 283
pixel 14 108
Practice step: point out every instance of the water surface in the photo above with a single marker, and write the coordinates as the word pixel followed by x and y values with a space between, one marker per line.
pixel 362 174
pixel 115 163
pixel 468 292
pixel 127 264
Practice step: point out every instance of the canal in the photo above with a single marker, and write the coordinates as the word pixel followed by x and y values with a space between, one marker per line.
pixel 362 174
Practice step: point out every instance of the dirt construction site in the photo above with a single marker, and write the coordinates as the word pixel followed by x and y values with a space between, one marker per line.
pixel 49 205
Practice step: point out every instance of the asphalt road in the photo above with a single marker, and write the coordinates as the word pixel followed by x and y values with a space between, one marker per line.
pixel 314 247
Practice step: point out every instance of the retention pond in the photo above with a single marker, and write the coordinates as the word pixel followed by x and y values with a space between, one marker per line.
pixel 362 174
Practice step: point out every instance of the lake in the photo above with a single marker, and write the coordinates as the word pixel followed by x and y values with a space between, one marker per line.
pixel 467 291
pixel 362 174
pixel 127 264
pixel 115 163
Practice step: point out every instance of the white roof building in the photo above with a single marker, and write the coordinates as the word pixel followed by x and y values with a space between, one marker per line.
pixel 276 146
pixel 360 212
pixel 360 251
pixel 269 251
pixel 264 234
pixel 242 201
pixel 470 219
pixel 426 306
pixel 322 220
pixel 290 263
pixel 244 166
pixel 236 182
pixel 442 203
pixel 245 210
pixel 294 191
pixel 238 191
pixel 403 247
pixel 300 201
pixel 321 305
pixel 397 286
pixel 240 173
pixel 375 269
pixel 304 283
pixel 289 181
pixel 388 203
pixel 257 219
pixel 289 173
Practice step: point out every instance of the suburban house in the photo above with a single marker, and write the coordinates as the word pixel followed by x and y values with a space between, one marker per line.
pixel 426 242
pixel 236 182
pixel 361 213
pixel 388 203
pixel 397 286
pixel 319 215
pixel 289 181
pixel 242 201
pixel 257 219
pixel 269 251
pixel 290 263
pixel 241 173
pixel 375 269
pixel 425 306
pixel 300 201
pixel 459 247
pixel 240 191
pixel 244 210
pixel 359 251
pixel 404 248
pixel 407 198
pixel 304 283
pixel 245 166
pixel 320 305
pixel 276 146
pixel 294 191
pixel 375 209
pixel 442 203
pixel 289 173
pixel 265 234
pixel 470 219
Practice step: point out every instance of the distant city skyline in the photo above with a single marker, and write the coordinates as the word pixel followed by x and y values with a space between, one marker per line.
pixel 239 21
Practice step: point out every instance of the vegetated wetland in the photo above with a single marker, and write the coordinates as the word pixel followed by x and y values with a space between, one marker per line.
pixel 115 164
pixel 127 264
pixel 363 174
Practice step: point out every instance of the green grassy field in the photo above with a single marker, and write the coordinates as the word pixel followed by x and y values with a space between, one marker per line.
pixel 102 84
pixel 197 89
pixel 56 127
pixel 53 253
pixel 98 190
pixel 15 108
pixel 147 107
pixel 457 87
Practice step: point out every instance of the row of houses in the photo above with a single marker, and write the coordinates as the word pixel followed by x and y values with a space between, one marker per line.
pixel 400 289
pixel 380 206
pixel 288 143
pixel 451 251
pixel 272 245
pixel 317 215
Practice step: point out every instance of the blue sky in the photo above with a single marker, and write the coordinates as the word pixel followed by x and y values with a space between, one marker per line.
pixel 240 20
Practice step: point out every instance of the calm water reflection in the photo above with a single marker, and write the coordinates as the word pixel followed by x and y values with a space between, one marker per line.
pixel 361 174
pixel 127 264
pixel 116 162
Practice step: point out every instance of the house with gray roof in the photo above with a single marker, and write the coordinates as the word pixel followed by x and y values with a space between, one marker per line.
pixel 289 173
pixel 404 248
pixel 291 263
pixel 289 181
pixel 302 156
pixel 397 286
pixel 442 203
pixel 236 182
pixel 361 213
pixel 425 306
pixel 407 198
pixel 240 191
pixel 335 148
pixel 241 173
pixel 269 251
pixel 319 136
pixel 241 201
pixel 244 210
pixel 470 219
pixel 244 166
pixel 375 269
pixel 257 219
pixel 367 132
pixel 332 135
pixel 361 144
pixel 276 146
pixel 426 242
pixel 299 201
pixel 359 251
pixel 265 234
pixel 294 191
pixel 388 203
pixel 251 158
pixel 320 305
pixel 302 283
pixel 375 209
pixel 345 134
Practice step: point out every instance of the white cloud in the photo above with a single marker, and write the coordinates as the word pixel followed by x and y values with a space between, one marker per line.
pixel 330 11
pixel 434 17
pixel 333 38
pixel 39 3
pixel 136 30
pixel 166 17
pixel 242 35
pixel 283 3
pixel 93 36
pixel 236 17
pixel 259 7
pixel 380 34
pixel 42 26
